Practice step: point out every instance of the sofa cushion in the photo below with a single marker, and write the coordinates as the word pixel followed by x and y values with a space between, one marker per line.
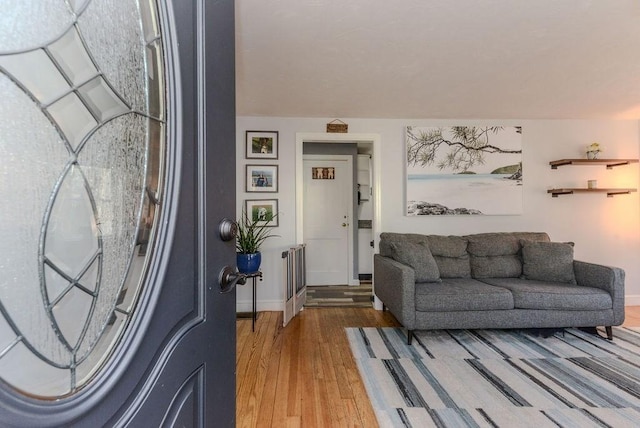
pixel 387 238
pixel 501 243
pixel 418 256
pixel 461 294
pixel 496 266
pixel 450 253
pixel 498 255
pixel 531 294
pixel 548 261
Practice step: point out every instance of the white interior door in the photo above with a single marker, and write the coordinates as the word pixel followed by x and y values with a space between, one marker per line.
pixel 328 207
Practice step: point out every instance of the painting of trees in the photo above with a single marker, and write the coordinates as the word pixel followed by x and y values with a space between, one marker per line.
pixel 466 146
pixel 464 170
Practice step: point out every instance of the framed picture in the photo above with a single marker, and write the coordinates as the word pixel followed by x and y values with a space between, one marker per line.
pixel 262 178
pixel 262 145
pixel 477 171
pixel 323 173
pixel 263 211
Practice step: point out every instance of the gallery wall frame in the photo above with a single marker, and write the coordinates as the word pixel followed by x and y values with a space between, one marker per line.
pixel 261 178
pixel 261 145
pixel 263 211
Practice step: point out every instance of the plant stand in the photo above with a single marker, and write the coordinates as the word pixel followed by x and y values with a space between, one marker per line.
pixel 253 276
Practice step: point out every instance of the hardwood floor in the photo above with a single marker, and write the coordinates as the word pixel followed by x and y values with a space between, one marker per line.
pixel 304 375
pixel 632 316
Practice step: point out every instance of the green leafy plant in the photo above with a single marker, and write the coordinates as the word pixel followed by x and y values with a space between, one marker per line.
pixel 252 233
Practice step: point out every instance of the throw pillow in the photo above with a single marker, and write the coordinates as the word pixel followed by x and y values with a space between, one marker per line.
pixel 419 257
pixel 548 261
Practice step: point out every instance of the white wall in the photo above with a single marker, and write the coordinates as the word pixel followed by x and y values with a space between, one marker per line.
pixel 605 230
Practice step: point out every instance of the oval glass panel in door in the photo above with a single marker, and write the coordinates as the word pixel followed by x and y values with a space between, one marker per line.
pixel 82 143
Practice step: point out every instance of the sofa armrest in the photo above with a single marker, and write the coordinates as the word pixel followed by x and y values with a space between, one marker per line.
pixel 610 279
pixel 394 284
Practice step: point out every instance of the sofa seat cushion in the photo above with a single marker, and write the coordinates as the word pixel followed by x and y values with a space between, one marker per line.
pixel 530 294
pixel 461 294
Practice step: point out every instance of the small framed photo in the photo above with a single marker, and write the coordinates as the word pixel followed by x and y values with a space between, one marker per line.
pixel 264 212
pixel 262 145
pixel 262 178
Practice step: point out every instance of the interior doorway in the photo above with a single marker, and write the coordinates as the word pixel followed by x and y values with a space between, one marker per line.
pixel 366 143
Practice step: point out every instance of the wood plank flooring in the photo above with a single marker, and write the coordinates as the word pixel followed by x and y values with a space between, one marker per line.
pixel 304 375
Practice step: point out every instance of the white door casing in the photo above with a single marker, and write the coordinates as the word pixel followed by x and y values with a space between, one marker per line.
pixel 328 214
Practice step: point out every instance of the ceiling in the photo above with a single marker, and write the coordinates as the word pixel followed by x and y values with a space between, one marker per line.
pixel 502 59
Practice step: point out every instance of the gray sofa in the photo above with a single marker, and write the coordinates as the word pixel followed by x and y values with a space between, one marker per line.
pixel 494 280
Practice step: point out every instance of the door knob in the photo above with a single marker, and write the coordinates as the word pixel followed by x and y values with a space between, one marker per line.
pixel 345 224
pixel 229 278
pixel 227 229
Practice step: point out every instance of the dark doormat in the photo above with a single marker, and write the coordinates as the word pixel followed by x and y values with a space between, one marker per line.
pixel 336 296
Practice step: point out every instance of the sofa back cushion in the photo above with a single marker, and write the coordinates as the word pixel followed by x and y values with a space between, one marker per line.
pixel 418 256
pixel 499 255
pixel 449 252
pixel 387 238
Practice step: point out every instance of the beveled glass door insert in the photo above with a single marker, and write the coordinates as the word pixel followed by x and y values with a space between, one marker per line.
pixel 82 150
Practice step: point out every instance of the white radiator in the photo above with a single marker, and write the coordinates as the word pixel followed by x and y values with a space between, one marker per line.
pixel 295 287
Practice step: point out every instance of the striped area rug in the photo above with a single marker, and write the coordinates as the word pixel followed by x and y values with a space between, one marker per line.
pixel 500 378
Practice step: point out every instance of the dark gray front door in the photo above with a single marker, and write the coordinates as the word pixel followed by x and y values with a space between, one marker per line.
pixel 171 359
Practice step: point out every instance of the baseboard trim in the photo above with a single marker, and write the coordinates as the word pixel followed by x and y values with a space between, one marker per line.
pixel 632 300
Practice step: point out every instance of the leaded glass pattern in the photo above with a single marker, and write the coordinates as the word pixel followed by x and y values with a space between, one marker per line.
pixel 82 138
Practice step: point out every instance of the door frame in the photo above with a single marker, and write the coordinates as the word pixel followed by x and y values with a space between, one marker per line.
pixel 339 138
pixel 350 226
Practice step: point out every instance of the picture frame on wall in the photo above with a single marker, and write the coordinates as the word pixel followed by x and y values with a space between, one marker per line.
pixel 262 178
pixel 478 173
pixel 261 145
pixel 262 211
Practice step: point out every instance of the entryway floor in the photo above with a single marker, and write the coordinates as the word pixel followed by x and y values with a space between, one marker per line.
pixel 334 296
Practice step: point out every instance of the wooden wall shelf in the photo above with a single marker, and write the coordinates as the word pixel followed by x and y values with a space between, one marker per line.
pixel 609 163
pixel 569 191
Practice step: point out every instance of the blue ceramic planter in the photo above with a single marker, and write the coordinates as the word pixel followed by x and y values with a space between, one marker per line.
pixel 248 263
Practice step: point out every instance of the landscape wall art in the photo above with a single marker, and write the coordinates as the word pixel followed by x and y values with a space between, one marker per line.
pixel 464 170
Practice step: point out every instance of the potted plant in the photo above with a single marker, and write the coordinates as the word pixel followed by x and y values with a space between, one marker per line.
pixel 593 150
pixel 251 233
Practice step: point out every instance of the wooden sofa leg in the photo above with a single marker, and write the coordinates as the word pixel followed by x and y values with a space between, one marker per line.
pixel 609 331
pixel 409 336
